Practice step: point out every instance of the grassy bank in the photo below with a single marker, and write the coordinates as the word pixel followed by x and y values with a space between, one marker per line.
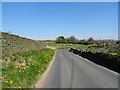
pixel 22 69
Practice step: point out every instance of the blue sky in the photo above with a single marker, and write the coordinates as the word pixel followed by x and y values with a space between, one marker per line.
pixel 41 21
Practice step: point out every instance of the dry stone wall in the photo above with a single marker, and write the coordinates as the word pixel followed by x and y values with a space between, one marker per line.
pixel 13 44
pixel 109 61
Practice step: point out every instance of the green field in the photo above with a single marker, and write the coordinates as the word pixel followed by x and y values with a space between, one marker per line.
pixel 60 44
pixel 81 47
pixel 23 68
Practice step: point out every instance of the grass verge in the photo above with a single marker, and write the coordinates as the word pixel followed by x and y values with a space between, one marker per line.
pixel 114 52
pixel 22 69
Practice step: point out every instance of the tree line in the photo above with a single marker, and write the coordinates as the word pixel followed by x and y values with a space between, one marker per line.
pixel 74 40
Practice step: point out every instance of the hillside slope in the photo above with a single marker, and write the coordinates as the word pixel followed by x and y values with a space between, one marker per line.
pixel 12 44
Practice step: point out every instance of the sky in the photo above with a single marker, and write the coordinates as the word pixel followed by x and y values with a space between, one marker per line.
pixel 60 0
pixel 48 20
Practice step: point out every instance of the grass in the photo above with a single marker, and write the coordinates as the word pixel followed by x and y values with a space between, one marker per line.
pixel 23 68
pixel 86 48
pixel 45 41
pixel 81 47
pixel 114 52
pixel 60 44
pixel 64 48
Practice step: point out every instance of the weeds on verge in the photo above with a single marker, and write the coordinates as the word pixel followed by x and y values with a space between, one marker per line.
pixel 22 69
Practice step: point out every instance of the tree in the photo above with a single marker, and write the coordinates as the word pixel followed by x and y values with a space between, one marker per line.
pixel 90 39
pixel 72 39
pixel 60 39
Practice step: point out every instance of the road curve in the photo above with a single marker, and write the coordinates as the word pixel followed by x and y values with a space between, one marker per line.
pixel 72 71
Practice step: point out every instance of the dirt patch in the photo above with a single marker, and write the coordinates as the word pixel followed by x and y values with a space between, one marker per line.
pixel 52 47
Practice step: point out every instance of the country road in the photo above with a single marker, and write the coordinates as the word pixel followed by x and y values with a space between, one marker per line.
pixel 72 71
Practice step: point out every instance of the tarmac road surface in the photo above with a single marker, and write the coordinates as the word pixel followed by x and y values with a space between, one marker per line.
pixel 72 71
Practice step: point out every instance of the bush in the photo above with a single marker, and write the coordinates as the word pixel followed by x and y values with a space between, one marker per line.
pixel 86 42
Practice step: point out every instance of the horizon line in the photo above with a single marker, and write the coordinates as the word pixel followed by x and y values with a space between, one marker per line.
pixel 54 39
